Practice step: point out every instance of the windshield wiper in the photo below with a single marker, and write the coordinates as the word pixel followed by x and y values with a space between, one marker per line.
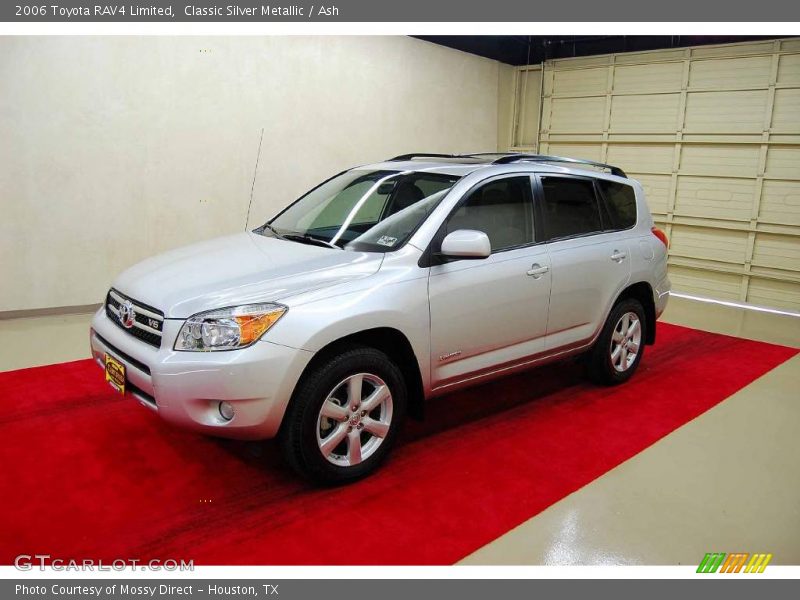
pixel 272 229
pixel 302 238
pixel 307 239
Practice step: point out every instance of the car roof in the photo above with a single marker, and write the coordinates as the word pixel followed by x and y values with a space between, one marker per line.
pixel 464 164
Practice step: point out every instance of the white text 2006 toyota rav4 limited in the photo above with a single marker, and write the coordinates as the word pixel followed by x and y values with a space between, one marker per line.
pixel 383 286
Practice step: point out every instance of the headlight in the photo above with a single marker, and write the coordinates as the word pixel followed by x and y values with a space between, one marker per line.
pixel 228 328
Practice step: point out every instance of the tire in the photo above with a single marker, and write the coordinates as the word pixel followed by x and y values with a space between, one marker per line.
pixel 323 438
pixel 609 360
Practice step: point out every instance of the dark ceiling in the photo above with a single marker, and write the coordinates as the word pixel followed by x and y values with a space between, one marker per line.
pixel 521 49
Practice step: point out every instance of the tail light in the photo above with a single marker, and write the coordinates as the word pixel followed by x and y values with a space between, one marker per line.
pixel 661 236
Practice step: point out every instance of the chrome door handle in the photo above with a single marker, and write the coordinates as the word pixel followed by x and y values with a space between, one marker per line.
pixel 537 270
pixel 619 256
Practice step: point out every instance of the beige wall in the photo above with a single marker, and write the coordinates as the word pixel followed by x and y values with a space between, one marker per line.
pixel 115 148
pixel 506 82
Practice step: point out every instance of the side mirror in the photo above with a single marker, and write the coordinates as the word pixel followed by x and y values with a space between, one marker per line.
pixel 466 243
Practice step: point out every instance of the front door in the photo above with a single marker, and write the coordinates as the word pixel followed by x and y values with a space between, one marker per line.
pixel 489 312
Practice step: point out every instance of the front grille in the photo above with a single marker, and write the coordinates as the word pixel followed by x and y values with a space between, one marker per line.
pixel 144 322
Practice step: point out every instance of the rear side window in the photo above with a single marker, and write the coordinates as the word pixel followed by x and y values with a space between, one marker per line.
pixel 569 207
pixel 621 203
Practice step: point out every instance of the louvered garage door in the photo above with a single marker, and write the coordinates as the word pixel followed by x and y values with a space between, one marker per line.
pixel 713 134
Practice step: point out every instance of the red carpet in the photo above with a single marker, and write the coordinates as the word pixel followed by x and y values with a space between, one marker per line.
pixel 86 473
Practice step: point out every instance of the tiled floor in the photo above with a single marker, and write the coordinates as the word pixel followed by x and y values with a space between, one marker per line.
pixel 727 481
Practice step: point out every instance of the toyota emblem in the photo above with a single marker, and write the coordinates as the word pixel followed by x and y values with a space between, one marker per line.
pixel 126 314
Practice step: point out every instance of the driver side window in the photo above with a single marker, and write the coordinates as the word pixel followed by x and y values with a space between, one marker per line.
pixel 502 209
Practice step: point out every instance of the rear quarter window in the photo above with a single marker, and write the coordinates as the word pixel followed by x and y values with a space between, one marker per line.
pixel 621 202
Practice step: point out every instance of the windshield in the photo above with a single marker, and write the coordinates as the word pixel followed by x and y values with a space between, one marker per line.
pixel 363 209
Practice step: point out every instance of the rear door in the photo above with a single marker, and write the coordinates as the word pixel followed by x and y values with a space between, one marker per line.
pixel 489 312
pixel 590 260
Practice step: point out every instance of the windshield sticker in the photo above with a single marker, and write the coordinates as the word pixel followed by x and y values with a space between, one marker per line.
pixel 387 240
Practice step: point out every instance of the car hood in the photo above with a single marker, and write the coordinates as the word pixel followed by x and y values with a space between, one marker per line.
pixel 239 269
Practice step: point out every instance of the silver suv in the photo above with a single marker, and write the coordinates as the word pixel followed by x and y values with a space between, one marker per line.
pixel 384 286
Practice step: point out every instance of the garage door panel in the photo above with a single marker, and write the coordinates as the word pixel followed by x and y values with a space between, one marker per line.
pixel 784 162
pixel 705 283
pixel 777 252
pixel 786 114
pixel 642 158
pixel 577 114
pixel 732 50
pixel 752 71
pixel 716 112
pixel 580 82
pixel 780 202
pixel 769 292
pixel 648 78
pixel 656 190
pixel 587 151
pixel 721 245
pixel 715 160
pixel 653 112
pixel 649 58
pixel 790 45
pixel 789 69
pixel 715 197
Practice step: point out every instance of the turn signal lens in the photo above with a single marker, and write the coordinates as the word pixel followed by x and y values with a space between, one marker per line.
pixel 252 327
pixel 228 328
pixel 661 236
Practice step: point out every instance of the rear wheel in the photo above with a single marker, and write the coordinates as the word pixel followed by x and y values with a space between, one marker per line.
pixel 618 350
pixel 344 416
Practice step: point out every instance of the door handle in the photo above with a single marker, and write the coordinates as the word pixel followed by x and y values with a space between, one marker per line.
pixel 619 256
pixel 537 270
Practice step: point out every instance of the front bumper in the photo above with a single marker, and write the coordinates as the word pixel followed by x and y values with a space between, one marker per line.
pixel 185 388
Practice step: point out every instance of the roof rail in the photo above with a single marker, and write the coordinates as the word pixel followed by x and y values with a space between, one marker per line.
pixel 425 155
pixel 515 157
pixel 512 157
pixel 435 155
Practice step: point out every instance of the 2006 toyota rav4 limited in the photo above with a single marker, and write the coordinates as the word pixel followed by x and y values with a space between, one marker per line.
pixel 383 286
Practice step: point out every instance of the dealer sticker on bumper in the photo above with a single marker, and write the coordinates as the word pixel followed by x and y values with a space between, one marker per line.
pixel 115 374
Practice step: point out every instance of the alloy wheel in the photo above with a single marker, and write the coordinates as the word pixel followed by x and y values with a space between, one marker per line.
pixel 354 419
pixel 625 341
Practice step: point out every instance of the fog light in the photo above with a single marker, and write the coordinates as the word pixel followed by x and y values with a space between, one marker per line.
pixel 226 410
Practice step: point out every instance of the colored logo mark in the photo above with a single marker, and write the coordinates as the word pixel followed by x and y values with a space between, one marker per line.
pixel 734 563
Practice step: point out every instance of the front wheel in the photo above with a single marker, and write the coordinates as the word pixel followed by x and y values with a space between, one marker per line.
pixel 618 350
pixel 344 416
